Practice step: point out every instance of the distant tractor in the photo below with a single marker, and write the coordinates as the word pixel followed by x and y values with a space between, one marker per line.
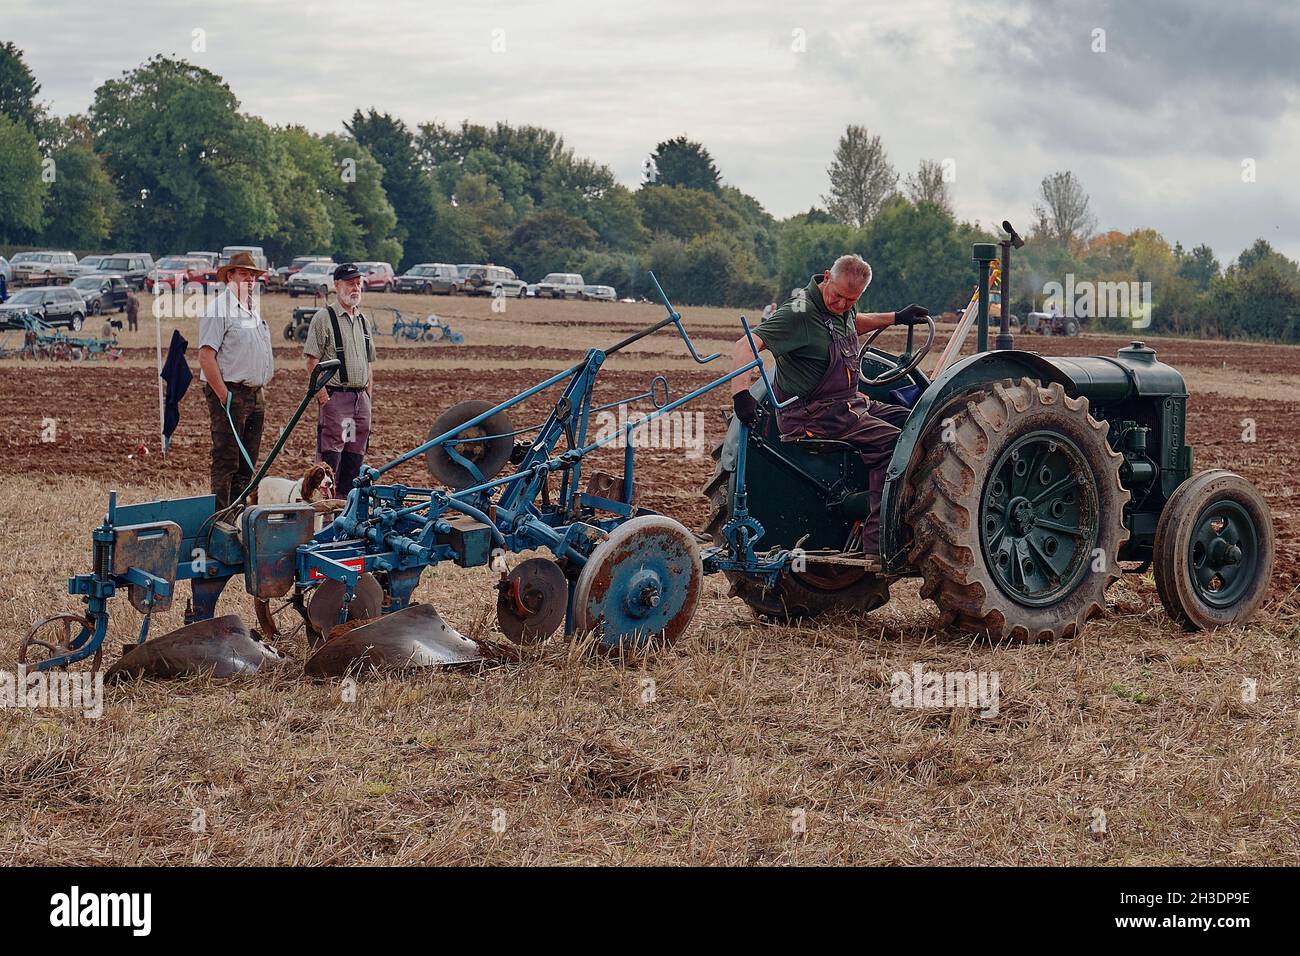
pixel 1052 323
pixel 429 329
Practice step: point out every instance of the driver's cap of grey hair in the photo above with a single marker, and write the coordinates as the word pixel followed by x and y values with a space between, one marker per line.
pixel 852 266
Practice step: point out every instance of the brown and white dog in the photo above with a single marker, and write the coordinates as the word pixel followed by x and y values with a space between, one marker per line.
pixel 315 487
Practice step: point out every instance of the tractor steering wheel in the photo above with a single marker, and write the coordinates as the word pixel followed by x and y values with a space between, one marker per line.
pixel 905 364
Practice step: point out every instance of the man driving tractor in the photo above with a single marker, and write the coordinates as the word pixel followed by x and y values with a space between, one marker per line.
pixel 814 337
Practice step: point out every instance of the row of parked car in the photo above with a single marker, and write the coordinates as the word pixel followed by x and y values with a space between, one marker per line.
pixel 442 278
pixel 67 289
pixel 311 275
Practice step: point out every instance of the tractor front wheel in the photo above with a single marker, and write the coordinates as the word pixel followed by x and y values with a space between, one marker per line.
pixel 1016 512
pixel 1213 551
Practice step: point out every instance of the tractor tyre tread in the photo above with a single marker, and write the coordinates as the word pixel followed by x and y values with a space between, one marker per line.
pixel 943 493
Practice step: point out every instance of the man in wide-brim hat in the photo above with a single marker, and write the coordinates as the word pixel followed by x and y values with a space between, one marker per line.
pixel 236 362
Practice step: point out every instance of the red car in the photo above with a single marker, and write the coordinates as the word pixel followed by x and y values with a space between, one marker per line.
pixel 377 276
pixel 176 272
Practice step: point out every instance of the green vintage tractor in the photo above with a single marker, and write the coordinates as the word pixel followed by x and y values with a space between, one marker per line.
pixel 1021 487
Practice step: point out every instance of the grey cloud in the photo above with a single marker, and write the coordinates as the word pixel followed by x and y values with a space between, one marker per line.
pixel 1156 127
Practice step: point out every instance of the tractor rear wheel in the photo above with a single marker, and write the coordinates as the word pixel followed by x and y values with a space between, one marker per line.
pixel 1016 512
pixel 1214 551
pixel 795 595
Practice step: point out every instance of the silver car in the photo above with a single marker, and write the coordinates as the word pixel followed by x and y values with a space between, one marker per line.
pixel 496 281
pixel 561 285
pixel 315 278
pixel 87 265
pixel 604 293
pixel 43 267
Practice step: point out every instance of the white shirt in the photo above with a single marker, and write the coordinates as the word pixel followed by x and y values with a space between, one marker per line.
pixel 241 339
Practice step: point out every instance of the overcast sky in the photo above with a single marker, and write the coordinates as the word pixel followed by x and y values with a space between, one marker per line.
pixel 1156 126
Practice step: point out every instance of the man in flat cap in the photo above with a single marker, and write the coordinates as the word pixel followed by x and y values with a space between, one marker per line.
pixel 236 364
pixel 343 426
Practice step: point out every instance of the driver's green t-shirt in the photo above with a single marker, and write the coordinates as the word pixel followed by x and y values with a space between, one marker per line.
pixel 798 337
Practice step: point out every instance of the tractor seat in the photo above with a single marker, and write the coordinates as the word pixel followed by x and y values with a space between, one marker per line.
pixel 824 446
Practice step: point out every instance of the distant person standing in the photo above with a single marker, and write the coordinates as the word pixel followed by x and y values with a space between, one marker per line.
pixel 132 310
pixel 4 287
pixel 343 426
pixel 236 361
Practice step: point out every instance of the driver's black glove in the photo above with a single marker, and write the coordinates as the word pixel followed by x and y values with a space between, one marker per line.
pixel 911 315
pixel 746 408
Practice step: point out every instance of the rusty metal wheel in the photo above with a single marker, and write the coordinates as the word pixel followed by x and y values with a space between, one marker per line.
pixel 531 601
pixel 1214 551
pixel 486 445
pixel 641 585
pixel 326 601
pixel 1016 511
pixel 38 645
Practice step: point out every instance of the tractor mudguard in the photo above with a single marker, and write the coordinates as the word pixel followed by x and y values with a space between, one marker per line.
pixel 977 371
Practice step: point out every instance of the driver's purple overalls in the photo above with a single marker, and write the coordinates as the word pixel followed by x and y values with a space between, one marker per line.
pixel 837 410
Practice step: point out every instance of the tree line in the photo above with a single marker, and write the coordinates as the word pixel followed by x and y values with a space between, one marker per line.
pixel 164 160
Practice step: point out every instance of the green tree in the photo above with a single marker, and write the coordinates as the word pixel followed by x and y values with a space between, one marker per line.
pixel 479 199
pixel 711 269
pixel 805 250
pixel 915 256
pixel 1257 297
pixel 302 198
pixel 758 231
pixel 813 217
pixel 521 158
pixel 364 221
pixel 1199 266
pixel 683 162
pixel 550 241
pixel 861 176
pixel 508 178
pixel 82 204
pixel 22 190
pixel 408 187
pixel 685 213
pixel 18 87
pixel 616 218
pixel 192 171
pixel 622 270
